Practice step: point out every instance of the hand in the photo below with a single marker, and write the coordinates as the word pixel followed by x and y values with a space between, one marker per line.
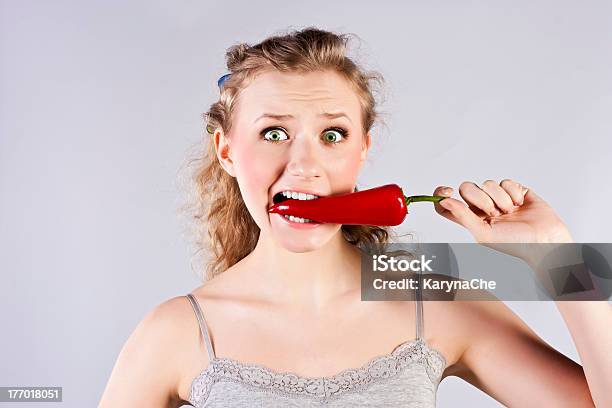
pixel 504 213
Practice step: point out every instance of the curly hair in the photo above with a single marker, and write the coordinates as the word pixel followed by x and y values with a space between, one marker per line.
pixel 224 228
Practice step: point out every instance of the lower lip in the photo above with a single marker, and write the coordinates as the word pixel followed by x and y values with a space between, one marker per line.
pixel 299 225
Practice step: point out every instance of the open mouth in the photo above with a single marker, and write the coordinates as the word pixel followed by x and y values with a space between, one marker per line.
pixel 280 197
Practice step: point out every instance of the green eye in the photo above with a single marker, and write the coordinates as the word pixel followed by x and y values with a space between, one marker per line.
pixel 333 135
pixel 274 135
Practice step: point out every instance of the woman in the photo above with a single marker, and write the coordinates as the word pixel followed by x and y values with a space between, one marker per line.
pixel 280 321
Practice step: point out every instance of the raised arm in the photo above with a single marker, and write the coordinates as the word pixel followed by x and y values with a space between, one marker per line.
pixel 590 323
pixel 508 361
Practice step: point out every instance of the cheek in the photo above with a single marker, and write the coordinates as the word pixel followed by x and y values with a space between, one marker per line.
pixel 254 173
pixel 343 172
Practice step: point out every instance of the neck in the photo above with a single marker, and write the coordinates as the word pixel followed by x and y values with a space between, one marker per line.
pixel 309 279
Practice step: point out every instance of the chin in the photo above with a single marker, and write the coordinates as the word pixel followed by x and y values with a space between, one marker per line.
pixel 300 246
pixel 301 240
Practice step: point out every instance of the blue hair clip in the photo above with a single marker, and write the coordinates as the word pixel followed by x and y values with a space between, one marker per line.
pixel 223 78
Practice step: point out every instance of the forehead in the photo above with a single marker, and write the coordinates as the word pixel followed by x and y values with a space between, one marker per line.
pixel 316 92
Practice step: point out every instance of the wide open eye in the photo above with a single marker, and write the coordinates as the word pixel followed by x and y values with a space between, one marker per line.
pixel 334 135
pixel 274 134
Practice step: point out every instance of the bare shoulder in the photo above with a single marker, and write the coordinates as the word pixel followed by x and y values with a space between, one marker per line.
pixel 504 355
pixel 472 317
pixel 500 354
pixel 156 358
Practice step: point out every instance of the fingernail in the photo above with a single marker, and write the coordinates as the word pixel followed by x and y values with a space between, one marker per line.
pixel 447 190
pixel 495 213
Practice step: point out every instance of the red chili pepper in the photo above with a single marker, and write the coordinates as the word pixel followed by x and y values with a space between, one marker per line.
pixel 384 205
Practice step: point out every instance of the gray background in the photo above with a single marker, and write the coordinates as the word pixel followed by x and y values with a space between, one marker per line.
pixel 101 102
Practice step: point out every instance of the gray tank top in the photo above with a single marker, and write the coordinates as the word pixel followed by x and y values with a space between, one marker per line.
pixel 407 377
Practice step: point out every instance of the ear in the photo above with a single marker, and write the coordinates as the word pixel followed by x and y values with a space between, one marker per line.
pixel 222 147
pixel 364 151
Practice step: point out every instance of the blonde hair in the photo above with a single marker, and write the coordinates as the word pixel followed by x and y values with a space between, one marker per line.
pixel 223 225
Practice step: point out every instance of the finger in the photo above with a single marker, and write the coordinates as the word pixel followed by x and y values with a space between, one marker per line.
pixel 474 196
pixel 531 197
pixel 514 190
pixel 444 191
pixel 460 213
pixel 500 197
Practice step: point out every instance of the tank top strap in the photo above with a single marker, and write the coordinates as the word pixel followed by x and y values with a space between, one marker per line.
pixel 419 307
pixel 202 323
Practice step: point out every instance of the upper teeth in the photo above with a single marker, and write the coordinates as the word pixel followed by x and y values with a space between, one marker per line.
pixel 299 196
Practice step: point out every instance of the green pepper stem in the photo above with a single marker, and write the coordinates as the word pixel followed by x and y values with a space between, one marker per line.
pixel 412 199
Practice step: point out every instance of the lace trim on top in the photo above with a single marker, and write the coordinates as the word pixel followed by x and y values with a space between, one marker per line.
pixel 288 384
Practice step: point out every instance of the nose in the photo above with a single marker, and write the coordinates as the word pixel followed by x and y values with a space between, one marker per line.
pixel 303 161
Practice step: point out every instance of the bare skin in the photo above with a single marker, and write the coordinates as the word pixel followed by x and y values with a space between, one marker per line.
pixel 293 304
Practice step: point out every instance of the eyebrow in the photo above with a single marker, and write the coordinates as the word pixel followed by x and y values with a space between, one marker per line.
pixel 327 115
